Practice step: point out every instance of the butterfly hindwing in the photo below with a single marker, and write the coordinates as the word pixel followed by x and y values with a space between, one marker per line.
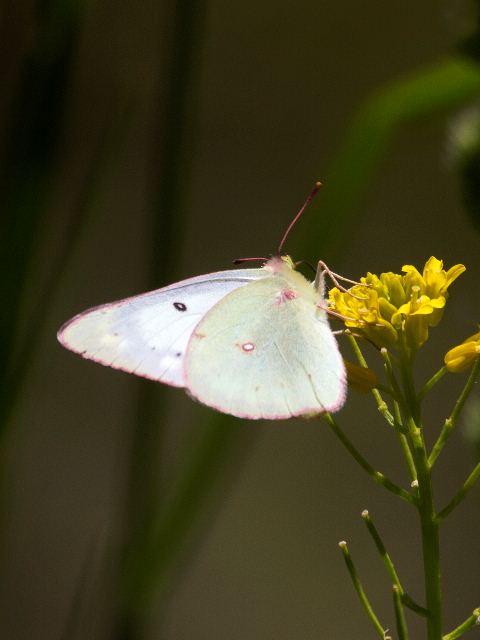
pixel 267 351
pixel 148 334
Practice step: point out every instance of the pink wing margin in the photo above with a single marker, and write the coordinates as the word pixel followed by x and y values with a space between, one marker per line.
pixel 147 334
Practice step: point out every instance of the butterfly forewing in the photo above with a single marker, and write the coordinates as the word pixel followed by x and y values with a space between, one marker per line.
pixel 266 351
pixel 148 334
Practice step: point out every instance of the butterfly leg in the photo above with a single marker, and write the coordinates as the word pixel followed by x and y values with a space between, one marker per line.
pixel 323 269
pixel 340 316
pixel 335 314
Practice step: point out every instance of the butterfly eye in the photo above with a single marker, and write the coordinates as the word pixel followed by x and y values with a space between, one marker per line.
pixel 179 306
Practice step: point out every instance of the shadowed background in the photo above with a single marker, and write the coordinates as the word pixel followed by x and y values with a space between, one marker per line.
pixel 147 142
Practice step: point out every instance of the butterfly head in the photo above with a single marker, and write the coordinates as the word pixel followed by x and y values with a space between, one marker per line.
pixel 280 264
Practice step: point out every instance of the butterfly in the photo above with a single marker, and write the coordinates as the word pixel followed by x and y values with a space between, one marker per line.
pixel 253 343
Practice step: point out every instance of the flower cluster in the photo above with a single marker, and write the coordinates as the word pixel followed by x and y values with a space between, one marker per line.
pixel 397 310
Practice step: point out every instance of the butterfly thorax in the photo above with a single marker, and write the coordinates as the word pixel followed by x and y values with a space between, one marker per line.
pixel 292 283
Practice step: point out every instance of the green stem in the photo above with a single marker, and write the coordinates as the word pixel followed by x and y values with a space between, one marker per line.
pixel 469 623
pixel 360 591
pixel 383 407
pixel 428 519
pixel 431 383
pixel 399 614
pixel 382 550
pixel 430 534
pixel 402 437
pixel 407 452
pixel 452 419
pixel 356 349
pixel 407 359
pixel 377 476
pixel 391 375
pixel 387 561
pixel 381 404
pixel 387 390
pixel 467 485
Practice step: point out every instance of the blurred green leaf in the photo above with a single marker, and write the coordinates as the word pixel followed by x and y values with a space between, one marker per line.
pixel 424 93
pixel 28 165
pixel 464 152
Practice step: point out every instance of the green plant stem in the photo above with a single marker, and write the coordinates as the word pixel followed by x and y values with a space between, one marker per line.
pixel 407 452
pixel 406 363
pixel 431 383
pixel 469 623
pixel 360 590
pixel 387 390
pixel 430 534
pixel 391 375
pixel 402 436
pixel 399 614
pixel 467 485
pixel 356 349
pixel 451 421
pixel 381 404
pixel 387 561
pixel 377 476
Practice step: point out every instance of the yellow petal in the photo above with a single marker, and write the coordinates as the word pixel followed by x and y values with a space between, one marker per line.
pixel 462 357
pixel 412 279
pixel 454 272
pixel 432 265
pixel 474 338
pixel 409 268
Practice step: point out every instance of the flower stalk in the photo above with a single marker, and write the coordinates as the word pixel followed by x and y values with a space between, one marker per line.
pixel 451 421
pixel 396 312
pixel 389 566
pixel 467 485
pixel 469 623
pixel 360 590
pixel 399 614
pixel 377 476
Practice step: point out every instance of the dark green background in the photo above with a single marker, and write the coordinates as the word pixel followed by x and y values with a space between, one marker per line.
pixel 145 142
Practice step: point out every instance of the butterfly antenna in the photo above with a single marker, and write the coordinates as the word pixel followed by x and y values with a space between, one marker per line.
pixel 310 197
pixel 240 260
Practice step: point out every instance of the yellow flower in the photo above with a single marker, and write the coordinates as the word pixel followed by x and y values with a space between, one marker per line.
pixel 464 355
pixel 394 308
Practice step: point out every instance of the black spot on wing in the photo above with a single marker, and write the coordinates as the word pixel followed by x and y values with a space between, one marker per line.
pixel 180 306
